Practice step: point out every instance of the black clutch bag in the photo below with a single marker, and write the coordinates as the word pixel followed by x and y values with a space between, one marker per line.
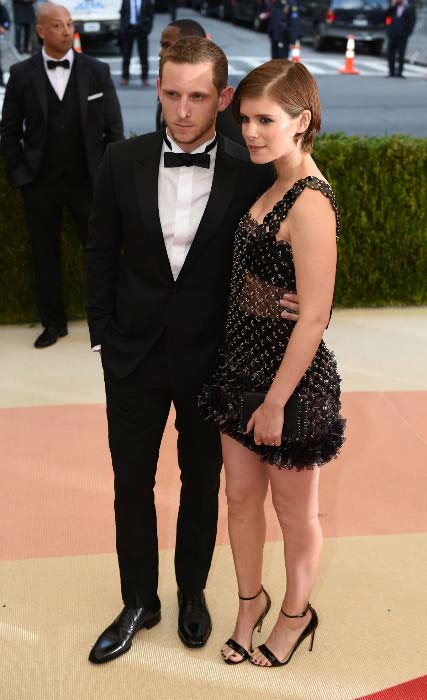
pixel 251 400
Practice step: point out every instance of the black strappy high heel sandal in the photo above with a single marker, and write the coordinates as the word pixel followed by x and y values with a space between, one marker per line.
pixel 244 653
pixel 307 631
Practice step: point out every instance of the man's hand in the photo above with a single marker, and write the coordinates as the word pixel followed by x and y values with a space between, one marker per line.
pixel 3 30
pixel 291 306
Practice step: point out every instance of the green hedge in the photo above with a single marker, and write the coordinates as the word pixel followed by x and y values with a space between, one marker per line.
pixel 380 185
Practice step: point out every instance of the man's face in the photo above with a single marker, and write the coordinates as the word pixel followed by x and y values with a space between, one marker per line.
pixel 56 30
pixel 190 102
pixel 169 36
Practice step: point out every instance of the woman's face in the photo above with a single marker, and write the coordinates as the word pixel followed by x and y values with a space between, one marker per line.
pixel 268 130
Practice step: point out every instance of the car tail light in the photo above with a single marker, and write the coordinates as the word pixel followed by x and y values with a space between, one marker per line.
pixel 388 21
pixel 330 16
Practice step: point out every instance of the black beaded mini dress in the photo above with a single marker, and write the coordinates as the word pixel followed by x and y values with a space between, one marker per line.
pixel 256 338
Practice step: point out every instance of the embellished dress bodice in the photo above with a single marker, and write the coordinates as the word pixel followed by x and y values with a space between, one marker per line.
pixel 256 338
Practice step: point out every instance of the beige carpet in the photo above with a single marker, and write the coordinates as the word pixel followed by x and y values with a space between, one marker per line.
pixel 370 597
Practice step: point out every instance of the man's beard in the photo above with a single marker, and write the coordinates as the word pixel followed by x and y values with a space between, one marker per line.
pixel 197 136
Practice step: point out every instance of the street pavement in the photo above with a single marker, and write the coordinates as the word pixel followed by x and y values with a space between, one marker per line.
pixel 366 104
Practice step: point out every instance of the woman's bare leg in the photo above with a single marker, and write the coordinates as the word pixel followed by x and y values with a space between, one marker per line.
pixel 246 488
pixel 295 499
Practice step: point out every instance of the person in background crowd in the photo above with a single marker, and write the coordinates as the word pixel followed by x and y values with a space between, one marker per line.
pixel 403 17
pixel 171 33
pixel 60 110
pixel 23 17
pixel 173 7
pixel 282 27
pixel 4 26
pixel 136 24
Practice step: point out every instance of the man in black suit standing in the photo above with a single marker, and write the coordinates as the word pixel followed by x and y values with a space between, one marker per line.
pixel 402 21
pixel 159 258
pixel 60 110
pixel 23 18
pixel 136 24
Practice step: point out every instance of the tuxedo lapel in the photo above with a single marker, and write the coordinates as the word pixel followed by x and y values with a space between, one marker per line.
pixel 39 81
pixel 146 174
pixel 222 192
pixel 82 80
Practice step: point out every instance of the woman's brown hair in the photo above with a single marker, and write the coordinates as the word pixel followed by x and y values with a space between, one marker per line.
pixel 196 49
pixel 291 86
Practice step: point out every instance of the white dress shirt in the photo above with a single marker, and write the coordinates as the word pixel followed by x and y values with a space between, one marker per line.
pixel 135 8
pixel 59 76
pixel 401 8
pixel 183 196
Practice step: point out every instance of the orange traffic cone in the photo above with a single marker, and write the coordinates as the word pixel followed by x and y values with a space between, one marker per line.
pixel 296 52
pixel 76 43
pixel 349 68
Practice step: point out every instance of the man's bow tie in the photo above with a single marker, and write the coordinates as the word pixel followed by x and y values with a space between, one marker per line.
pixel 176 160
pixel 58 64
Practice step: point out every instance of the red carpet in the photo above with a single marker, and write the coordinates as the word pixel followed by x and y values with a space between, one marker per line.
pixel 413 690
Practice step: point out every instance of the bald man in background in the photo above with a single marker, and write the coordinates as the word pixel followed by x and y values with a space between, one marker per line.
pixel 60 111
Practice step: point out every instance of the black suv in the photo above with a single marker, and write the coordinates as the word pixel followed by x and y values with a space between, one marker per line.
pixel 254 12
pixel 327 20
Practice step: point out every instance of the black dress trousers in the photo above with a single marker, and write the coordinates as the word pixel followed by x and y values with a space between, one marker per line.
pixel 137 411
pixel 396 49
pixel 134 33
pixel 44 200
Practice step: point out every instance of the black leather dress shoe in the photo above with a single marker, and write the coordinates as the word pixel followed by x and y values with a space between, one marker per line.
pixel 49 336
pixel 194 621
pixel 117 638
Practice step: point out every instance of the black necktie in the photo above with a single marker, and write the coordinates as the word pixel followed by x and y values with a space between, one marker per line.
pixel 177 160
pixel 56 64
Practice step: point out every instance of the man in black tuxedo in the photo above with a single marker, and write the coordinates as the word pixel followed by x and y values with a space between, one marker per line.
pixel 402 22
pixel 136 24
pixel 60 110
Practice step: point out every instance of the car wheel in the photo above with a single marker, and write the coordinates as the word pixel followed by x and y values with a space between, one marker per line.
pixel 204 8
pixel 319 41
pixel 376 48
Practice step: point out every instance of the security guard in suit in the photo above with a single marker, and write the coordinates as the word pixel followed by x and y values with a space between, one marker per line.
pixel 283 27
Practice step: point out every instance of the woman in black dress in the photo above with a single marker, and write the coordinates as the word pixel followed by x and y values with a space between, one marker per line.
pixel 286 242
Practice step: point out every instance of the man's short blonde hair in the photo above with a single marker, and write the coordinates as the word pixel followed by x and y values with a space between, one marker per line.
pixel 196 49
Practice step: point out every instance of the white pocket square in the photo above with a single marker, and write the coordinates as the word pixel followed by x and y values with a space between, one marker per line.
pixel 96 96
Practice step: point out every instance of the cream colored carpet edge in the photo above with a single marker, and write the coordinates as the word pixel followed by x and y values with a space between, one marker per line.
pixel 369 596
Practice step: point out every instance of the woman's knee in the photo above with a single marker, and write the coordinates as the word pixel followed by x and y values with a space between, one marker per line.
pixel 295 516
pixel 242 500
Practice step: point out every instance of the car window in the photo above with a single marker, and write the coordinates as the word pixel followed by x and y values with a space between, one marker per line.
pixel 361 4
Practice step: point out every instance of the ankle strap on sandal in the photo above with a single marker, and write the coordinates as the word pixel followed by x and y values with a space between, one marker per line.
pixel 254 596
pixel 303 614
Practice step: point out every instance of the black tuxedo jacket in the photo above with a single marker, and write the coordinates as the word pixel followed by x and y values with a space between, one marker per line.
pixel 146 15
pixel 132 297
pixel 25 104
pixel 404 24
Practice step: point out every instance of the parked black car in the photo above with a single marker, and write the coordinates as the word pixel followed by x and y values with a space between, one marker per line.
pixel 254 12
pixel 327 20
